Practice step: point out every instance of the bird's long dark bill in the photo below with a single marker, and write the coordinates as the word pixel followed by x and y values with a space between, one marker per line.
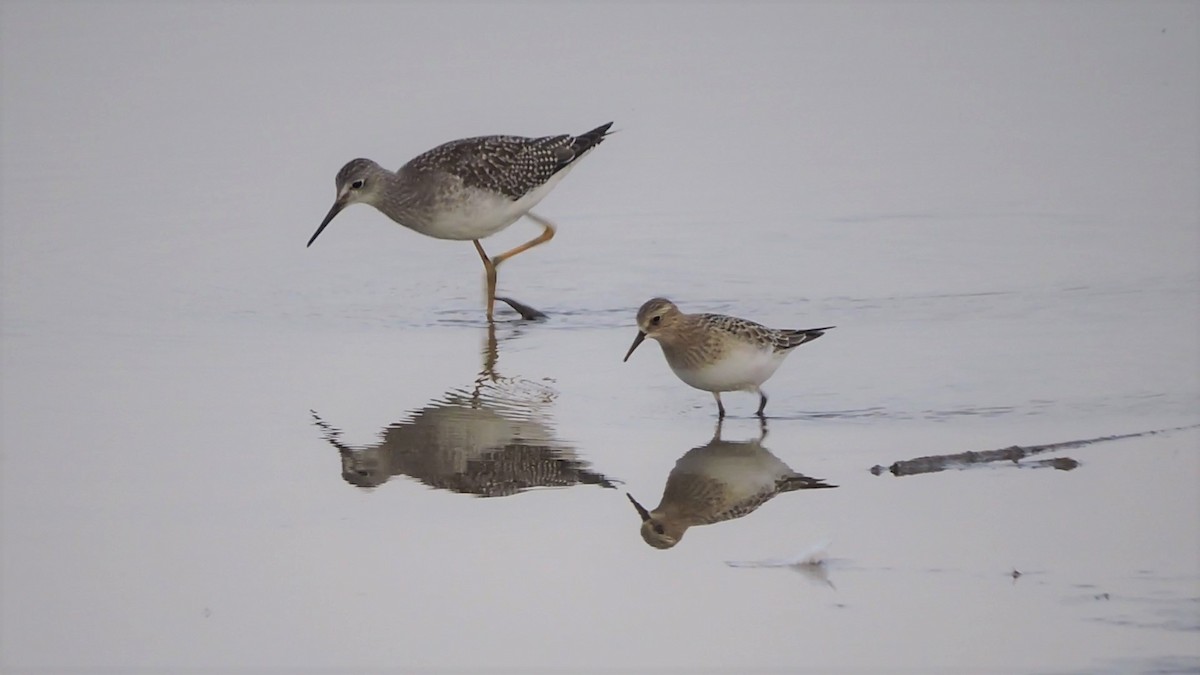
pixel 640 509
pixel 636 341
pixel 337 208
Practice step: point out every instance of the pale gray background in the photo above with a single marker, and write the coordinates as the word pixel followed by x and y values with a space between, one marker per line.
pixel 997 204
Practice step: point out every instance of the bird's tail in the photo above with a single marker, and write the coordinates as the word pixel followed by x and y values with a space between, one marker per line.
pixel 586 141
pixel 798 481
pixel 795 338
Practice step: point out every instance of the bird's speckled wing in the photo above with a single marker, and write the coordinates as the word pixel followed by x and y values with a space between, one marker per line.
pixel 756 333
pixel 509 165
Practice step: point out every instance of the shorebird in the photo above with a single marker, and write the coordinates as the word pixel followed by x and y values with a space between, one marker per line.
pixel 467 189
pixel 715 352
pixel 719 481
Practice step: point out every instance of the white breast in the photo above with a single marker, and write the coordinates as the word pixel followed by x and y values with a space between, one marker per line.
pixel 743 367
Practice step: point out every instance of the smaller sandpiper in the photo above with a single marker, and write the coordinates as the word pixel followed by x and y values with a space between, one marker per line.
pixel 715 352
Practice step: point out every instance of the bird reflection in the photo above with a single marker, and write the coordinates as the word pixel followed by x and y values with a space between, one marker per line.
pixel 719 481
pixel 491 440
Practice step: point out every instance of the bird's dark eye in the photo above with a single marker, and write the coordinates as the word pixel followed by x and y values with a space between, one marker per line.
pixel 655 321
pixel 357 185
pixel 658 528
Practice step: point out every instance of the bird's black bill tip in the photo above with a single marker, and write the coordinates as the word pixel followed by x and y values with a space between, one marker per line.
pixel 636 341
pixel 640 509
pixel 336 209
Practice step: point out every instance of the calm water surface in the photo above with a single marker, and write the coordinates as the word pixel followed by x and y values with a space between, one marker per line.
pixel 224 451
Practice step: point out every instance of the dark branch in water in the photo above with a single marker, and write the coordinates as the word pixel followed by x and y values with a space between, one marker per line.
pixel 1015 453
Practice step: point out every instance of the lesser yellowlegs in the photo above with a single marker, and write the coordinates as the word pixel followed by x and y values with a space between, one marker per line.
pixel 467 189
pixel 718 353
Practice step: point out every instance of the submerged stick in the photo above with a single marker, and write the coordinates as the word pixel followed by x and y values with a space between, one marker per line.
pixel 1015 453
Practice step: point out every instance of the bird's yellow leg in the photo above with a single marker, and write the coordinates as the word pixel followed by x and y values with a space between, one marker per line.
pixel 489 270
pixel 546 235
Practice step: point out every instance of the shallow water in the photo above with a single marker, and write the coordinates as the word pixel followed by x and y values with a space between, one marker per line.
pixel 225 451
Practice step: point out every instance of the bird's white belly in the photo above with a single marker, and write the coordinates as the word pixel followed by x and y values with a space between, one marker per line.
pixel 483 213
pixel 737 369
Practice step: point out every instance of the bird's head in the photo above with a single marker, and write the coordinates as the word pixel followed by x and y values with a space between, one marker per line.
pixel 656 317
pixel 359 181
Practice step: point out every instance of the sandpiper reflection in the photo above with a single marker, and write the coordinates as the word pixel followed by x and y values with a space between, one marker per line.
pixel 721 480
pixel 492 439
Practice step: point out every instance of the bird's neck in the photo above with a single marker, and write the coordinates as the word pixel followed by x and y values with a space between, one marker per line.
pixel 397 199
